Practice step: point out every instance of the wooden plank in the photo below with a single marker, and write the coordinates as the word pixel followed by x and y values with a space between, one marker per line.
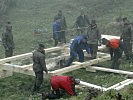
pixel 18 69
pixel 48 61
pixel 5 73
pixel 118 84
pixel 123 85
pixel 79 65
pixel 92 86
pixel 111 70
pixel 27 68
pixel 27 55
pixel 110 37
pixel 90 69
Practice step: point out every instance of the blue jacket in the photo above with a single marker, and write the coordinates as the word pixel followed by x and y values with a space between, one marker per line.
pixel 56 29
pixel 77 45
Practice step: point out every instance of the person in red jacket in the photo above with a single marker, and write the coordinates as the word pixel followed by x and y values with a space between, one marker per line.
pixel 61 85
pixel 116 49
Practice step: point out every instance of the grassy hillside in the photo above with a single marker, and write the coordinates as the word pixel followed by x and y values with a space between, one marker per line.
pixel 28 15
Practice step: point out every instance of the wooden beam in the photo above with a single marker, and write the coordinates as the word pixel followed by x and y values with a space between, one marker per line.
pixel 92 86
pixel 123 85
pixel 5 73
pixel 27 55
pixel 90 69
pixel 79 65
pixel 21 69
pixel 27 69
pixel 48 61
pixel 17 68
pixel 111 70
pixel 110 37
pixel 118 84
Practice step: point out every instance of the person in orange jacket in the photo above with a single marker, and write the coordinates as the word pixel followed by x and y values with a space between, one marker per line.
pixel 116 48
pixel 61 85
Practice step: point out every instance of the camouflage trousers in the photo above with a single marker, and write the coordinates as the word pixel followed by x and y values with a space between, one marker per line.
pixel 128 49
pixel 116 54
pixel 93 50
pixel 38 80
pixel 8 52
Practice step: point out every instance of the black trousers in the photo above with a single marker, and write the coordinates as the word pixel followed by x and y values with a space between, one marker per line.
pixel 55 94
pixel 59 93
pixel 38 80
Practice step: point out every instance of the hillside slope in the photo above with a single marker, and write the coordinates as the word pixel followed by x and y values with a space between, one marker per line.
pixel 28 15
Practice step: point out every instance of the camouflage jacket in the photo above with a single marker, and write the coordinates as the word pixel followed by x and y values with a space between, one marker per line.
pixel 7 40
pixel 39 63
pixel 94 36
pixel 126 33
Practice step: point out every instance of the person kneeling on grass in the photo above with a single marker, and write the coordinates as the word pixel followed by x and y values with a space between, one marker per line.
pixel 61 85
pixel 116 49
pixel 76 49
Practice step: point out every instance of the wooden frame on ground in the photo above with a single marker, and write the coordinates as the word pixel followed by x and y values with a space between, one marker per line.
pixel 27 69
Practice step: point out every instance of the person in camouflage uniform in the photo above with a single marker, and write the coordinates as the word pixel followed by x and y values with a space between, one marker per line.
pixel 62 33
pixel 126 36
pixel 82 22
pixel 39 65
pixel 94 38
pixel 7 40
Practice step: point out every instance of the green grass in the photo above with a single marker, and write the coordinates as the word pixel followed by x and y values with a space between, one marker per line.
pixel 98 78
pixel 28 15
pixel 19 86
